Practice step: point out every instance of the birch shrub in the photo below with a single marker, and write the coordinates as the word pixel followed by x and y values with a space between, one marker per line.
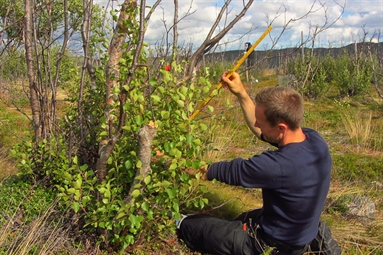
pixel 159 197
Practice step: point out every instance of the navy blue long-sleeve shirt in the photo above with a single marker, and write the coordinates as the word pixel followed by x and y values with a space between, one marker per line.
pixel 294 179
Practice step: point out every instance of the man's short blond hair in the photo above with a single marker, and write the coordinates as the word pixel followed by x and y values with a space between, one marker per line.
pixel 281 105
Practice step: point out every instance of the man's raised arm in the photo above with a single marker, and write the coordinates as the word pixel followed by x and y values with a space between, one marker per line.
pixel 234 84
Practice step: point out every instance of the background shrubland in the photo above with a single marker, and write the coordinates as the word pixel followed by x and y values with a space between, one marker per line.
pixel 78 178
pixel 351 125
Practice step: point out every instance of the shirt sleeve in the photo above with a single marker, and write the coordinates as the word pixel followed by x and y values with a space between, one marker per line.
pixel 260 171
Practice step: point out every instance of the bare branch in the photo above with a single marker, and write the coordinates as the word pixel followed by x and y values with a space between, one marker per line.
pixel 175 30
pixel 211 42
pixel 377 67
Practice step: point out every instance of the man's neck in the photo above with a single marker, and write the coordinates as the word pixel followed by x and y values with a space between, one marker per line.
pixel 296 136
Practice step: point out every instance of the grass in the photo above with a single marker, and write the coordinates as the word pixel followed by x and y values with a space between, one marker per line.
pixel 352 128
pixel 357 235
pixel 358 127
pixel 7 165
pixel 13 126
pixel 38 236
pixel 30 222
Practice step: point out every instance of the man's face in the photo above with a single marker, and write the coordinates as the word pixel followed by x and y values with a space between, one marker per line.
pixel 270 133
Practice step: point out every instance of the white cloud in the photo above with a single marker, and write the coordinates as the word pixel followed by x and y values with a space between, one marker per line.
pixel 358 15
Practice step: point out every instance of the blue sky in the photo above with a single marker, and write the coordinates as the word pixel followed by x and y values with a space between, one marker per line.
pixel 359 17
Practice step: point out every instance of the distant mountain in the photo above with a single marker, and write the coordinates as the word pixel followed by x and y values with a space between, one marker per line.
pixel 275 58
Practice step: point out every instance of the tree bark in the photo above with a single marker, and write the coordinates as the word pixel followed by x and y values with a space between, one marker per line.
pixel 145 137
pixel 175 32
pixel 115 51
pixel 33 91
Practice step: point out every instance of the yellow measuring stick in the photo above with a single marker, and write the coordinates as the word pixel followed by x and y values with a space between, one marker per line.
pixel 237 65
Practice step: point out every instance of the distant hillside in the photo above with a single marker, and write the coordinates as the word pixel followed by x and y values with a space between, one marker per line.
pixel 276 58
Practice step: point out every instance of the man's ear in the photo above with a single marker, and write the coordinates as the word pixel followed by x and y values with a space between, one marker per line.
pixel 282 127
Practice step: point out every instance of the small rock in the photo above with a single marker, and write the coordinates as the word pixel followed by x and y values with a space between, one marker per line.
pixel 362 206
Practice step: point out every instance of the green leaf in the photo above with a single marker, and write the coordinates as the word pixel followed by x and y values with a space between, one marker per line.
pixel 120 215
pixel 166 76
pixel 84 167
pixel 166 184
pixel 141 98
pixel 173 166
pixel 167 146
pixel 165 114
pixel 201 204
pixel 203 127
pixel 139 119
pixel 77 184
pixel 171 193
pixel 189 138
pixel 190 107
pixel 181 103
pixel 176 207
pixel 107 193
pixel 155 98
pixel 129 239
pixel 184 117
pixel 184 90
pixel 128 164
pixel 85 200
pixel 136 220
pixel 77 195
pixel 153 82
pixel 71 191
pixel 176 153
pixel 196 164
pixel 161 89
pixel 75 207
pixel 147 179
pixel 145 206
pixel 135 193
pixel 103 133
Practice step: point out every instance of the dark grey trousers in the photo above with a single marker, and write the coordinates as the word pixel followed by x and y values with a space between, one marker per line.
pixel 207 234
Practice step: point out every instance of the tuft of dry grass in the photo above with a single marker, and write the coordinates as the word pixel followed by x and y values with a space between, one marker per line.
pixel 224 142
pixel 39 237
pixel 358 127
pixel 47 234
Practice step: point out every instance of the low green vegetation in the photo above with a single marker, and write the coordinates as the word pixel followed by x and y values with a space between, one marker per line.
pixel 39 207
